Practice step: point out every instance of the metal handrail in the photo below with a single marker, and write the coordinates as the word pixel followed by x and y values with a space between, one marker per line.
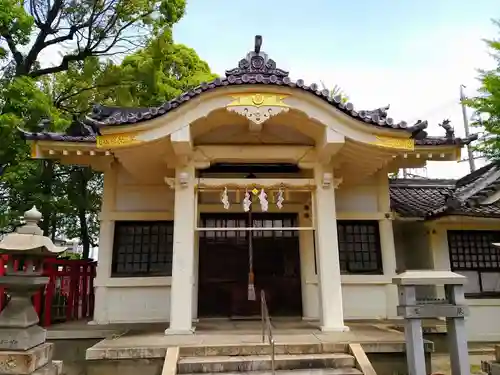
pixel 267 329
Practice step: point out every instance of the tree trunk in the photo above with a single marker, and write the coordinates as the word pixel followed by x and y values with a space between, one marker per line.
pixel 82 212
pixel 54 226
pixel 84 233
pixel 47 177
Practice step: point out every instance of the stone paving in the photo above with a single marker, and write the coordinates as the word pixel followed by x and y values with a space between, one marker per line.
pixel 134 342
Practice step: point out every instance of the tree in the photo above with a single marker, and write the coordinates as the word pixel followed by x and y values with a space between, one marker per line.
pixel 69 196
pixel 81 29
pixel 487 104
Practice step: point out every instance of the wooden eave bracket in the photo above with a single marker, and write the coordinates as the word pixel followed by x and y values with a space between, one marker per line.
pixel 330 144
pixel 182 144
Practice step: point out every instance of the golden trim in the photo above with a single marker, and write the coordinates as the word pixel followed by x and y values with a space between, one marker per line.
pixel 116 140
pixel 34 150
pixel 258 100
pixel 407 144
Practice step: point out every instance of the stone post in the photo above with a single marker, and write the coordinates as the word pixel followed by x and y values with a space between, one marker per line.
pixel 453 308
pixel 23 349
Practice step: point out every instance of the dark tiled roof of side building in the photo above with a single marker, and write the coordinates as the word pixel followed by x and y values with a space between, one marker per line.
pixel 422 198
pixel 255 69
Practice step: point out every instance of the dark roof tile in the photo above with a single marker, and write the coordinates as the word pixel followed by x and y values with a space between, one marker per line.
pixel 417 198
pixel 255 69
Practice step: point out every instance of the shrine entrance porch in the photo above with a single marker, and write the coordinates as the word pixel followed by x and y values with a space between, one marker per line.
pixel 224 265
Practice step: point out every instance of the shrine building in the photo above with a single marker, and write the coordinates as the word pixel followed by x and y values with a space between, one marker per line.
pixel 255 182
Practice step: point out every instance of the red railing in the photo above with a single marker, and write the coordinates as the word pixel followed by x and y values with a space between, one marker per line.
pixel 69 294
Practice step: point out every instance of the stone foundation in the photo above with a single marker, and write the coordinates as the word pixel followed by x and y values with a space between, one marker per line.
pixel 35 361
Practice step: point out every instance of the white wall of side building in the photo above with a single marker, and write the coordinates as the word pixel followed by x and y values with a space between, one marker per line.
pixel 482 323
pixel 425 246
pixel 147 299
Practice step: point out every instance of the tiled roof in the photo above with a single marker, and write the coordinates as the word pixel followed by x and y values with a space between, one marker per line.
pixel 256 69
pixel 91 138
pixel 420 198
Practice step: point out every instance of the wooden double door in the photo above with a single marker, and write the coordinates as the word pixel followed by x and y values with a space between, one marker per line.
pixel 224 263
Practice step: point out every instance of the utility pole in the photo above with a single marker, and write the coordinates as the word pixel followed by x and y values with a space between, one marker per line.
pixel 472 164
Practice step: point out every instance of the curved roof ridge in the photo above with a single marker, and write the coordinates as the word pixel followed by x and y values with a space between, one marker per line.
pixel 255 69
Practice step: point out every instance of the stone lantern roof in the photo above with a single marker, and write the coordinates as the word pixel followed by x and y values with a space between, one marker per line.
pixel 29 239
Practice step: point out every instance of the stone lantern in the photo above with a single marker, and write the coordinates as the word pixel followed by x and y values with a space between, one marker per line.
pixel 20 334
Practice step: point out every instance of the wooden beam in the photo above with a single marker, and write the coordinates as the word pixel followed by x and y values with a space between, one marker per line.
pixel 330 144
pixel 252 153
pixel 238 183
pixel 181 141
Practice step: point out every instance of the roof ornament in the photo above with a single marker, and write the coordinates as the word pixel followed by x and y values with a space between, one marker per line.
pixel 258 43
pixel 257 66
pixel 378 114
pixel 417 130
pixel 450 132
pixel 44 124
pixel 78 128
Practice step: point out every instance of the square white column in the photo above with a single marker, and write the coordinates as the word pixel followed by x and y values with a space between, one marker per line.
pixel 388 251
pixel 307 272
pixel 183 262
pixel 103 272
pixel 327 249
pixel 106 239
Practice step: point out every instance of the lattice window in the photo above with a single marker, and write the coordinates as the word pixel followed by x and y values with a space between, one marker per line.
pixel 143 249
pixel 288 221
pixel 359 247
pixel 259 220
pixel 472 254
pixel 223 221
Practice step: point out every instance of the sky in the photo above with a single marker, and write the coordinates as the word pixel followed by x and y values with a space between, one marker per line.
pixel 413 55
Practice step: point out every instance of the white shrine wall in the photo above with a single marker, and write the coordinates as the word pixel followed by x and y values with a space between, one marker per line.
pixel 364 296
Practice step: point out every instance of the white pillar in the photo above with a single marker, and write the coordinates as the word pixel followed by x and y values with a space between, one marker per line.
pixel 196 274
pixel 103 272
pixel 438 246
pixel 181 293
pixel 327 248
pixel 387 246
pixel 307 271
pixel 106 238
pixel 389 266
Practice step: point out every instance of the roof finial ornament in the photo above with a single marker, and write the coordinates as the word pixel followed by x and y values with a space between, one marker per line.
pixel 446 125
pixel 258 43
pixel 257 67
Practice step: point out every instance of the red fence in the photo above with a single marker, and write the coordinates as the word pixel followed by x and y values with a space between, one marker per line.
pixel 69 294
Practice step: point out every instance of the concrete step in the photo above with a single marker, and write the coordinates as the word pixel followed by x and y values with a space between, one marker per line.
pixel 261 349
pixel 317 371
pixel 218 364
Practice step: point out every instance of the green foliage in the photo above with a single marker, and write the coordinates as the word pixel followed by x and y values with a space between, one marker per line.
pixel 487 104
pixel 70 255
pixel 337 91
pixel 154 69
pixel 89 28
